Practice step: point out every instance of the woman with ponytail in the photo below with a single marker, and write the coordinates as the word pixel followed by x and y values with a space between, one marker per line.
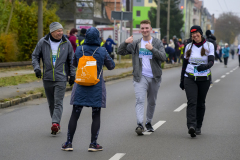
pixel 196 77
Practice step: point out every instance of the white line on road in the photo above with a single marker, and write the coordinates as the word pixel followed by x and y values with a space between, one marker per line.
pixel 155 126
pixel 227 73
pixel 181 107
pixel 218 80
pixel 231 71
pixel 223 76
pixel 117 156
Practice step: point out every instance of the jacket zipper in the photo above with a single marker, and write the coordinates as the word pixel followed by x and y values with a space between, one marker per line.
pixel 63 69
pixel 53 67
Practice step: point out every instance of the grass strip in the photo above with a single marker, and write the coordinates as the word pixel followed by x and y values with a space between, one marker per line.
pixel 15 80
pixel 7 69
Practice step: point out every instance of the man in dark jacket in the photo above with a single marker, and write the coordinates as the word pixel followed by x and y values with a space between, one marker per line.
pixel 56 53
pixel 108 45
pixel 82 36
pixel 177 53
pixel 211 38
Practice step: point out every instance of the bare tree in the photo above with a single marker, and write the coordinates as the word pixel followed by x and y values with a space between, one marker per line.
pixel 227 27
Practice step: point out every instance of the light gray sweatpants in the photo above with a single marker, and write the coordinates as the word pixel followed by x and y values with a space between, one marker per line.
pixel 55 92
pixel 150 87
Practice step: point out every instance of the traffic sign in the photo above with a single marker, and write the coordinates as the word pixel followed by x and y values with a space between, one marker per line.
pixel 120 15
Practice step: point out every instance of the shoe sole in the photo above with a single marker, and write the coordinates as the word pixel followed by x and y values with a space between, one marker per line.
pixel 139 131
pixel 67 149
pixel 192 132
pixel 55 130
pixel 150 130
pixel 94 150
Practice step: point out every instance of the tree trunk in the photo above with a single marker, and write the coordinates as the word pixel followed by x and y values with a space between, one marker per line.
pixel 10 17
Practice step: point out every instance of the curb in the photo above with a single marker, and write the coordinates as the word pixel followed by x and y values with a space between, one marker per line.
pixel 17 101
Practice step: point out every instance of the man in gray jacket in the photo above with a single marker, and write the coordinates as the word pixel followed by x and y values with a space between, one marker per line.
pixel 147 55
pixel 56 53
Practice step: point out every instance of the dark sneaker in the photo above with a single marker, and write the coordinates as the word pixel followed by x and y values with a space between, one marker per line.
pixel 94 148
pixel 55 128
pixel 192 132
pixel 139 130
pixel 67 146
pixel 149 127
pixel 198 131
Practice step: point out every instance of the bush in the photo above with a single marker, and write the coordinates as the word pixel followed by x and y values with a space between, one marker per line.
pixel 24 24
pixel 8 47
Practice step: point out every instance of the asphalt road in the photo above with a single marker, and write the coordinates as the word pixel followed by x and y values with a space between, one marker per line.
pixel 25 129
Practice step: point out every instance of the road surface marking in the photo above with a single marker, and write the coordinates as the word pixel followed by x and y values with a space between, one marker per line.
pixel 155 127
pixel 223 76
pixel 218 80
pixel 231 71
pixel 117 156
pixel 181 107
pixel 227 73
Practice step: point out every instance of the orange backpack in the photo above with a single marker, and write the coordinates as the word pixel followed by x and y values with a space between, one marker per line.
pixel 87 70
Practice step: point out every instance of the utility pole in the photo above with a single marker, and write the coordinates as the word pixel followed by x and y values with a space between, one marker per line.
pixel 168 21
pixel 114 29
pixel 40 19
pixel 158 14
pixel 131 22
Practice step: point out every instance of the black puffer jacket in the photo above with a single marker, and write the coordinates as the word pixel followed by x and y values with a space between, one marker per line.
pixel 212 39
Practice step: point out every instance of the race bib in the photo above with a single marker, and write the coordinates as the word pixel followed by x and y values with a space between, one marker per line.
pixel 54 56
pixel 145 53
pixel 201 73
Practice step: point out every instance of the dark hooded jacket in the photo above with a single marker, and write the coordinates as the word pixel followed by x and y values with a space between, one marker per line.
pixel 92 96
pixel 212 39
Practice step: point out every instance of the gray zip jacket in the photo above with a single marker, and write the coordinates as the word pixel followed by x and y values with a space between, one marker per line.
pixel 159 56
pixel 63 66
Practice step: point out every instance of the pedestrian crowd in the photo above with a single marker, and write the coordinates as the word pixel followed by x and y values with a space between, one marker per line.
pixel 79 60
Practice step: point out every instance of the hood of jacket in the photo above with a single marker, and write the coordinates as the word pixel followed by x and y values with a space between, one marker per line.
pixel 92 37
pixel 211 38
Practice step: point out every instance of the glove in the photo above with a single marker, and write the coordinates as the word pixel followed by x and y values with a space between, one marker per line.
pixel 182 85
pixel 202 67
pixel 71 80
pixel 38 74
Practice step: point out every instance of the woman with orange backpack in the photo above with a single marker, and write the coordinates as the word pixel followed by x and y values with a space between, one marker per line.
pixel 89 95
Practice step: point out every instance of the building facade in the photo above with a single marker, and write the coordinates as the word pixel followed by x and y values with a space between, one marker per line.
pixel 140 11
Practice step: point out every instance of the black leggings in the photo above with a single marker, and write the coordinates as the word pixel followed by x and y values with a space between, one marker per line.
pixel 225 61
pixel 72 125
pixel 196 92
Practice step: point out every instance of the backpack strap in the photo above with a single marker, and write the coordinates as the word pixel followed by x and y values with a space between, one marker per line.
pixel 95 51
pixel 82 50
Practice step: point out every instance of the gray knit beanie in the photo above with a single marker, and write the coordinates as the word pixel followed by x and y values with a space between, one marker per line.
pixel 55 26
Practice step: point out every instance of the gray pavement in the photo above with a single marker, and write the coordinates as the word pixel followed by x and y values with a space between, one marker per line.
pixel 25 129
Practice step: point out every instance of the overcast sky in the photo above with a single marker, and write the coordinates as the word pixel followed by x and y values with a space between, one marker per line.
pixel 217 7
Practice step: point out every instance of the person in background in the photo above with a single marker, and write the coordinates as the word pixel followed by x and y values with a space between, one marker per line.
pixel 181 49
pixel 82 36
pixel 172 55
pixel 67 35
pixel 232 51
pixel 238 52
pixel 176 43
pixel 225 52
pixel 108 46
pixel 211 38
pixel 56 53
pixel 73 37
